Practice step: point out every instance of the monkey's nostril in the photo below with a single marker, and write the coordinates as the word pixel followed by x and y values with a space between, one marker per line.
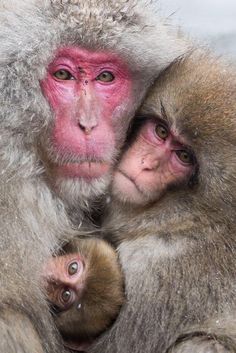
pixel 87 130
pixel 148 165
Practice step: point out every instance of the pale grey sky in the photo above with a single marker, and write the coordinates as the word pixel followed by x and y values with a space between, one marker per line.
pixel 212 20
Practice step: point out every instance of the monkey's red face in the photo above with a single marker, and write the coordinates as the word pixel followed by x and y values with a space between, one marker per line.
pixel 65 281
pixel 154 162
pixel 89 93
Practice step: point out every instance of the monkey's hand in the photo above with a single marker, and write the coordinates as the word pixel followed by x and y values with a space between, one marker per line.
pixel 200 344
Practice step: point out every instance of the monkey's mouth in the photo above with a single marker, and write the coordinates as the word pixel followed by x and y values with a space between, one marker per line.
pixel 130 179
pixel 85 170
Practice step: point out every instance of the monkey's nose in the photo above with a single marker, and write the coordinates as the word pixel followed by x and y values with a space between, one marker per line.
pixel 87 129
pixel 148 163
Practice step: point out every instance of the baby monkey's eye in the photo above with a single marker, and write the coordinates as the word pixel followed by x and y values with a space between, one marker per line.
pixel 185 156
pixel 66 296
pixel 161 131
pixel 73 268
pixel 63 75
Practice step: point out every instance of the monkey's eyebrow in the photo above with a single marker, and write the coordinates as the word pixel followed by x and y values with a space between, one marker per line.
pixel 163 111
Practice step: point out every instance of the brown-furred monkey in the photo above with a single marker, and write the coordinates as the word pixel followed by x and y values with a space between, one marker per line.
pixel 172 216
pixel 85 290
pixel 72 74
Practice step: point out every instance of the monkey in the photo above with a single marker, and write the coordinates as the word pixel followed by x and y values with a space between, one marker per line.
pixel 85 290
pixel 73 73
pixel 172 215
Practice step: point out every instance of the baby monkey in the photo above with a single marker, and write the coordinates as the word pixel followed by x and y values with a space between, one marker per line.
pixel 84 286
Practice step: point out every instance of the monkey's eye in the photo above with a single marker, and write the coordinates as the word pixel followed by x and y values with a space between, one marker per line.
pixel 161 131
pixel 63 75
pixel 66 296
pixel 73 268
pixel 185 156
pixel 105 76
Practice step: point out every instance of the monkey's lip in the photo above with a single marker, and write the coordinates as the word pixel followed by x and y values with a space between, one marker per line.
pixel 85 170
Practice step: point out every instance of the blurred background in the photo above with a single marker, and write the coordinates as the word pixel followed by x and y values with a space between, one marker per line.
pixel 213 21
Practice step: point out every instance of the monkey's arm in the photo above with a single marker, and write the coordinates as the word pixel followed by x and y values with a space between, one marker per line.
pixel 25 228
pixel 21 335
pixel 217 335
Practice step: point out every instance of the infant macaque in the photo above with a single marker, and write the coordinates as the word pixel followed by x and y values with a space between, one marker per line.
pixel 85 289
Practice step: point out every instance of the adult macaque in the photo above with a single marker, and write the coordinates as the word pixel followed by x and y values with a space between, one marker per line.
pixel 85 288
pixel 72 74
pixel 173 215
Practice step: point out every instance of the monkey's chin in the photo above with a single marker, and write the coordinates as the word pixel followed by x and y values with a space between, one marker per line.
pixel 86 170
pixel 79 191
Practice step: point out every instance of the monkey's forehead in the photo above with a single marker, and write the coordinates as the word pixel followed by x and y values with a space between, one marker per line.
pixel 129 28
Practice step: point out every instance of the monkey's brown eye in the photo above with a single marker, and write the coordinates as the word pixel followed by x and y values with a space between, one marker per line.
pixel 73 268
pixel 105 76
pixel 161 131
pixel 185 156
pixel 63 75
pixel 66 295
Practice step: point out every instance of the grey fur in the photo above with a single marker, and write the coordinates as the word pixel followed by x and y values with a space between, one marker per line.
pixel 178 254
pixel 34 219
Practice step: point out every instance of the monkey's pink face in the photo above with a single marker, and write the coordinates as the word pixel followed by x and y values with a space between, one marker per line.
pixel 89 93
pixel 65 280
pixel 153 163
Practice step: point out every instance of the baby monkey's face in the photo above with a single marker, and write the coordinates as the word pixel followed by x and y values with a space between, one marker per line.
pixel 65 281
pixel 157 160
